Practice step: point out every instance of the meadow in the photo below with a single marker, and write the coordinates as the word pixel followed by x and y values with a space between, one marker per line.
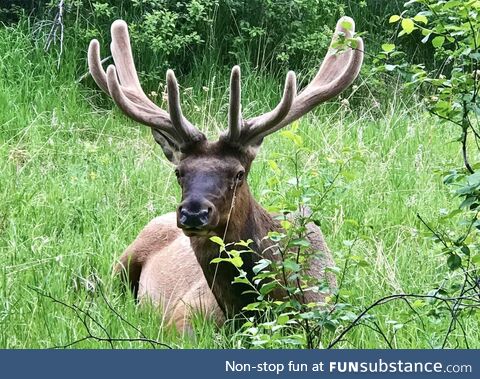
pixel 78 181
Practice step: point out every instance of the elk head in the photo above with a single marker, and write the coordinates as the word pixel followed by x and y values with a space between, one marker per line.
pixel 210 173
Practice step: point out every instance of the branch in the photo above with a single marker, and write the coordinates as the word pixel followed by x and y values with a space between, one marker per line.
pixel 441 239
pixel 89 335
pixel 56 26
pixel 385 300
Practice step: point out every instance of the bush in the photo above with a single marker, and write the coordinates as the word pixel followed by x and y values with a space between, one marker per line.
pixel 450 93
pixel 263 34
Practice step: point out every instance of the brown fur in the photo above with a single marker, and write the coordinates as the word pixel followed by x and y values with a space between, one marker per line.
pixel 174 271
pixel 161 267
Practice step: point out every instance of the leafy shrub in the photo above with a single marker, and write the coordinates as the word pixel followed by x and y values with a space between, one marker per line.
pixel 287 321
pixel 451 94
pixel 266 34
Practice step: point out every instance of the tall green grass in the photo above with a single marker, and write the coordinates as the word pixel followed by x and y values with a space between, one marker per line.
pixel 78 181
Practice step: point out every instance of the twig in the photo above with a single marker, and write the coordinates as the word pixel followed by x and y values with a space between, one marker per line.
pixel 464 139
pixel 56 26
pixel 123 319
pixel 455 310
pixel 90 336
pixel 385 300
pixel 344 271
pixel 441 239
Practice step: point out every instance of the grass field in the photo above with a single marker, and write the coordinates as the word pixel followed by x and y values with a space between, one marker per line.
pixel 78 181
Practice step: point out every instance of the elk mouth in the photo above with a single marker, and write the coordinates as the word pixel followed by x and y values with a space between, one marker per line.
pixel 197 232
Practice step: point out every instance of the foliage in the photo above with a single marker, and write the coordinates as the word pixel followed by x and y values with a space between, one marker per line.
pixel 255 31
pixel 290 321
pixel 282 318
pixel 452 88
pixel 271 35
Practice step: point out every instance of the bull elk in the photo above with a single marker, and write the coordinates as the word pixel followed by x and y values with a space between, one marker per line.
pixel 169 263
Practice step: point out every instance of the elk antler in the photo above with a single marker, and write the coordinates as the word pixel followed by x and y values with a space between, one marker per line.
pixel 122 84
pixel 336 73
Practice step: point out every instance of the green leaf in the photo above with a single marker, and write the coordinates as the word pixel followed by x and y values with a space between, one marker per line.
pixel 454 262
pixel 425 39
pixel 474 179
pixel 273 165
pixel 418 303
pixel 282 319
pixel 241 280
pixel 408 25
pixel 217 240
pixel 475 56
pixel 261 264
pixel 296 138
pixel 330 325
pixel 347 25
pixel 291 266
pixel 237 261
pixel 244 243
pixel 300 242
pixel 476 259
pixel 307 315
pixel 268 287
pixel 465 190
pixel 251 307
pixel 218 260
pixel 276 236
pixel 352 42
pixel 394 18
pixel 452 4
pixel 469 200
pixel 438 41
pixel 388 47
pixel 421 18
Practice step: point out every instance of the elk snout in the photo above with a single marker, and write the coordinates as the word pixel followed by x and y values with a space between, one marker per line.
pixel 194 214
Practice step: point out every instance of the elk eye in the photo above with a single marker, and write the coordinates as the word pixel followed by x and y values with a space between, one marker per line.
pixel 240 176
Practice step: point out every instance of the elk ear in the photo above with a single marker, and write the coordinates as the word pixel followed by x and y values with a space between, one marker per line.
pixel 169 147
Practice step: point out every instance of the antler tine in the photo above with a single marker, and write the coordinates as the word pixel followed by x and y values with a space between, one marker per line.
pixel 242 132
pixel 122 84
pixel 95 65
pixel 123 58
pixel 256 128
pixel 182 125
pixel 145 115
pixel 235 110
pixel 122 55
pixel 336 73
pixel 101 78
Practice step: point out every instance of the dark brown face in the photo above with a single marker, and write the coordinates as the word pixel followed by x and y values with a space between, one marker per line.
pixel 208 181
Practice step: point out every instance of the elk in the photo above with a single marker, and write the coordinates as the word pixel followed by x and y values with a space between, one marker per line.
pixel 169 263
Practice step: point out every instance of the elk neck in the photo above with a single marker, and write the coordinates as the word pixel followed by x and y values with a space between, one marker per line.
pixel 248 220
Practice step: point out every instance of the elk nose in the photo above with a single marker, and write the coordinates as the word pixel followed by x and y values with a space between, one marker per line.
pixel 190 219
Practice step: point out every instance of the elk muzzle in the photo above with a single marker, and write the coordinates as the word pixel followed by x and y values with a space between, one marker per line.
pixel 195 216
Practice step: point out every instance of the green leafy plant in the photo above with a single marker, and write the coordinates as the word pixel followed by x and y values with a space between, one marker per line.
pixel 450 91
pixel 282 318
